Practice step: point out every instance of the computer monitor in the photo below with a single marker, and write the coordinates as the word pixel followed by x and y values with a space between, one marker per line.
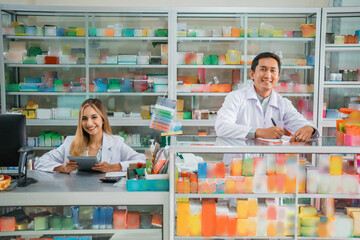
pixel 13 150
pixel 12 138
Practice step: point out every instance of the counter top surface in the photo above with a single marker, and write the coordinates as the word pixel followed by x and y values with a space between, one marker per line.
pixel 76 189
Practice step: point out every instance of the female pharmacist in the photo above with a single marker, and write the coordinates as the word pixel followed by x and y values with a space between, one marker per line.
pixel 93 138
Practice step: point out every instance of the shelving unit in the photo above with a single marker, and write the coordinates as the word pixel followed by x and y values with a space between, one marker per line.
pixel 213 19
pixel 213 149
pixel 84 17
pixel 336 57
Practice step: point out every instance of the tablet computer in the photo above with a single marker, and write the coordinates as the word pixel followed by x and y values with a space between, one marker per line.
pixel 85 163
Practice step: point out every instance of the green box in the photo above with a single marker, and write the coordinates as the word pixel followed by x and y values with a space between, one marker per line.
pixel 161 33
pixel 207 60
pixel 92 31
pixel 187 115
pixel 70 32
pixel 248 167
pixel 214 59
pixel 55 222
pixel 12 87
pixel 41 223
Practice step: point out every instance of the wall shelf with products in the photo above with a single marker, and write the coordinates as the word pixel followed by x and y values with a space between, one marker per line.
pixel 339 85
pixel 59 57
pixel 207 38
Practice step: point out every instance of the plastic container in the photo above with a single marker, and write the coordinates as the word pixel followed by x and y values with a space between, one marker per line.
pixel 147 185
pixel 140 85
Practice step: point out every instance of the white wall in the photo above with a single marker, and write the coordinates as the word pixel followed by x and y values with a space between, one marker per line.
pixel 175 3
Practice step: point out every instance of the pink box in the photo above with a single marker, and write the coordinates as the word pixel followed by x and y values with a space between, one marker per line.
pixel 288 33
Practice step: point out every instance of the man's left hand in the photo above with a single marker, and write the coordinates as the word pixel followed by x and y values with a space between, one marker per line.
pixel 303 134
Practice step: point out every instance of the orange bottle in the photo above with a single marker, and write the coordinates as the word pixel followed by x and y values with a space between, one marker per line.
pixel 271 183
pixel 271 229
pixel 290 184
pixel 271 212
pixel 208 218
pixel 232 224
pixel 222 222
pixel 280 183
pixel 323 227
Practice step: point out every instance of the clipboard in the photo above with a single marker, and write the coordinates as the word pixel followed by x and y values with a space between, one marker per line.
pixel 84 163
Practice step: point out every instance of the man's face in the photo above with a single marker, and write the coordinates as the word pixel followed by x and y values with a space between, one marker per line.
pixel 266 76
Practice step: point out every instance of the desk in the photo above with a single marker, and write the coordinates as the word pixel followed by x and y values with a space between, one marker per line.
pixel 57 189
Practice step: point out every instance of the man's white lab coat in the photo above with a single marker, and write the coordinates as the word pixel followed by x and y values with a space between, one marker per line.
pixel 242 111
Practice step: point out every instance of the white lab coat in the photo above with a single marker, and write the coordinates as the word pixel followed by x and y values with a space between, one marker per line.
pixel 114 150
pixel 242 111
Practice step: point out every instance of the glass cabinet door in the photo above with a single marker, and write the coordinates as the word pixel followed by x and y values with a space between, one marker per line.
pixel 81 222
pixel 339 75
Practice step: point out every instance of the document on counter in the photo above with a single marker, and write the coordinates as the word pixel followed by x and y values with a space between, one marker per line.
pixel 115 174
pixel 283 139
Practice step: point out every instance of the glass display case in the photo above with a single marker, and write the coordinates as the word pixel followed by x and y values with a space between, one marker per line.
pixel 339 65
pixel 82 207
pixel 233 188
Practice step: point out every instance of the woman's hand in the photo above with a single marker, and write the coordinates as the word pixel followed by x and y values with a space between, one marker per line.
pixel 107 167
pixel 67 168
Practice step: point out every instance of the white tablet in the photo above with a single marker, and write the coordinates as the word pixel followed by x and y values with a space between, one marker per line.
pixel 85 163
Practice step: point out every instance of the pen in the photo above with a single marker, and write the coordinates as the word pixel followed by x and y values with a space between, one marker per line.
pixel 273 121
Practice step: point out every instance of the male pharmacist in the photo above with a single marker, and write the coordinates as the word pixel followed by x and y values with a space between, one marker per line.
pixel 258 111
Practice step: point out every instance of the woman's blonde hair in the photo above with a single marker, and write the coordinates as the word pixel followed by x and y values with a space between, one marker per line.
pixel 82 138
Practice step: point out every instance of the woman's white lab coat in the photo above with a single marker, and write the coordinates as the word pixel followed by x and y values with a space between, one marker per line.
pixel 242 111
pixel 114 150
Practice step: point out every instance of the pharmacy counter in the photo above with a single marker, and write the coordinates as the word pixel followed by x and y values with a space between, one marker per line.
pixel 79 189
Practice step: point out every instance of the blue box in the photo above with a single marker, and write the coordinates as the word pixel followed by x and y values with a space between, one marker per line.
pixel 147 185
pixel 60 32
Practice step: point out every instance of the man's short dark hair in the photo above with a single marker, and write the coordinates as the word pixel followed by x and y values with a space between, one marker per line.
pixel 255 62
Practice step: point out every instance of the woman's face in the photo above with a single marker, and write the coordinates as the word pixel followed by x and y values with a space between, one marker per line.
pixel 92 122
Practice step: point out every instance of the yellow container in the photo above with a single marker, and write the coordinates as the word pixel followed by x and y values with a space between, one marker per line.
pixel 242 227
pixel 253 207
pixel 310 221
pixel 80 32
pixel 243 209
pixel 233 57
pixel 336 165
pixel 309 231
pixel 252 225
pixel 182 221
pixel 308 211
pixel 278 33
pixel 195 225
